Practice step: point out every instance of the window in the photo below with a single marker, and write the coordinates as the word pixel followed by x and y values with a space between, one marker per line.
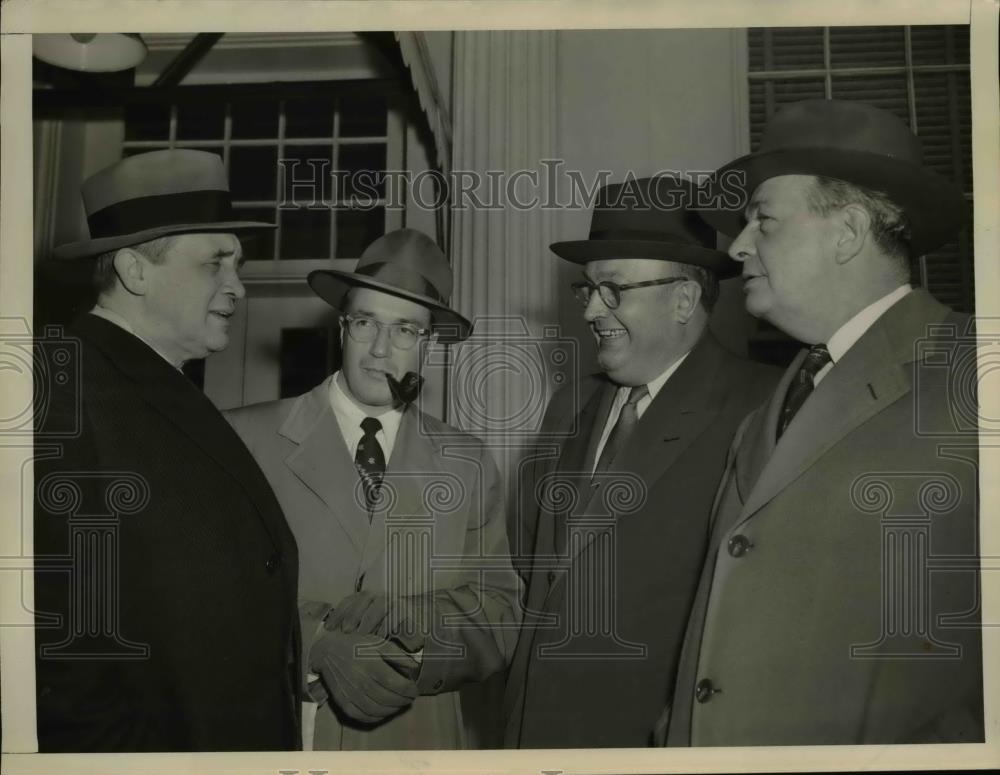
pixel 312 136
pixel 307 357
pixel 919 73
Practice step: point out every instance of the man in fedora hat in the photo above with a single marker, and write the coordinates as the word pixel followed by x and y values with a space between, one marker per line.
pixel 406 586
pixel 615 517
pixel 165 571
pixel 839 601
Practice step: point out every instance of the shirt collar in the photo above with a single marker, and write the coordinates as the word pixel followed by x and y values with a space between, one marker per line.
pixel 113 317
pixel 849 333
pixel 350 415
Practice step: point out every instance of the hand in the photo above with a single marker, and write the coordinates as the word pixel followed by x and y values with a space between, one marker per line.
pixel 361 612
pixel 359 675
pixel 368 613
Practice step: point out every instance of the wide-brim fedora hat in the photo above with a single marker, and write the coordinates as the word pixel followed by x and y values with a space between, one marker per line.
pixel 654 217
pixel 850 141
pixel 404 263
pixel 156 194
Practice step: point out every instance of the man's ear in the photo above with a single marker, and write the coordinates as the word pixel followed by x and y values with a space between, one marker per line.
pixel 855 230
pixel 687 298
pixel 428 346
pixel 130 266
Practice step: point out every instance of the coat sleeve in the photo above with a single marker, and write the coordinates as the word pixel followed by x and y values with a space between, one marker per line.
pixel 473 624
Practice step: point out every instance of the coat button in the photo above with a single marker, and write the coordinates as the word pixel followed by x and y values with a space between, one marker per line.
pixel 439 683
pixel 272 563
pixel 359 583
pixel 739 545
pixel 704 690
pixel 552 577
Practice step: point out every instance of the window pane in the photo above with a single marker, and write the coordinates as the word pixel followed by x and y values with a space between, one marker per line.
pixel 305 233
pixel 786 48
pixel 254 119
pixel 304 360
pixel 147 122
pixel 257 245
pixel 867 47
pixel 201 121
pixel 362 117
pixel 309 118
pixel 253 173
pixel 355 159
pixel 940 45
pixel 357 229
pixel 308 173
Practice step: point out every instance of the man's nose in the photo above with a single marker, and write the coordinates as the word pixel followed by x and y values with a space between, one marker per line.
pixel 380 344
pixel 742 247
pixel 596 308
pixel 234 285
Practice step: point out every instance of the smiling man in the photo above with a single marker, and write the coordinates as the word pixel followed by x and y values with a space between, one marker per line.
pixel 825 614
pixel 172 542
pixel 612 569
pixel 406 585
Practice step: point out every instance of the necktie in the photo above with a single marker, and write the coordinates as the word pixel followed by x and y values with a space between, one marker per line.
pixel 370 460
pixel 627 419
pixel 817 357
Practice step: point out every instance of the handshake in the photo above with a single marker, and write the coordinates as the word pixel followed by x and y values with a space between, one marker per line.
pixel 367 653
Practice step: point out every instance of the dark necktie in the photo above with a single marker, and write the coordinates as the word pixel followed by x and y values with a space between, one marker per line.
pixel 627 420
pixel 802 386
pixel 370 460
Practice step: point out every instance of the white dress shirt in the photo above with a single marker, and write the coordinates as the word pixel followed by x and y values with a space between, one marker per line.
pixel 849 333
pixel 349 416
pixel 113 317
pixel 621 397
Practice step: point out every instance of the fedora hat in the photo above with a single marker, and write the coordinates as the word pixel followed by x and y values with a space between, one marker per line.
pixel 405 263
pixel 649 218
pixel 849 141
pixel 152 195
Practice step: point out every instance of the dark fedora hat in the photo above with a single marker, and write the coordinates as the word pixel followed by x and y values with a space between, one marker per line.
pixel 152 195
pixel 405 263
pixel 649 218
pixel 849 141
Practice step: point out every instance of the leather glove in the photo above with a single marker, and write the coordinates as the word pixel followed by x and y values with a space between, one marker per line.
pixel 363 674
pixel 370 613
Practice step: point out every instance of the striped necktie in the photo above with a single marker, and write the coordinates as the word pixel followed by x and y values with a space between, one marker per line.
pixel 370 461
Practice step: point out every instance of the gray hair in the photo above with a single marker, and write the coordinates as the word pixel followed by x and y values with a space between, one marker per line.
pixel 890 228
pixel 104 269
pixel 707 281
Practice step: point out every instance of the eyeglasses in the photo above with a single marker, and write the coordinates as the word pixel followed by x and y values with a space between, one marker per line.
pixel 364 329
pixel 611 293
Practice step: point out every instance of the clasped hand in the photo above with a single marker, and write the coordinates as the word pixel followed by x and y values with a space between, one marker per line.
pixel 362 660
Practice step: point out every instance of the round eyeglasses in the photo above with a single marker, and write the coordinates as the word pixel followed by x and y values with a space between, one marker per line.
pixel 365 329
pixel 611 293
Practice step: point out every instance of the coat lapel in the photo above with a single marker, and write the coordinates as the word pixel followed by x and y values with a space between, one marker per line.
pixel 174 396
pixel 871 376
pixel 577 458
pixel 323 464
pixel 412 468
pixel 681 411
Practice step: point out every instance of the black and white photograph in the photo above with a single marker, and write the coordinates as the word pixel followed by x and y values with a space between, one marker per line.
pixel 499 387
